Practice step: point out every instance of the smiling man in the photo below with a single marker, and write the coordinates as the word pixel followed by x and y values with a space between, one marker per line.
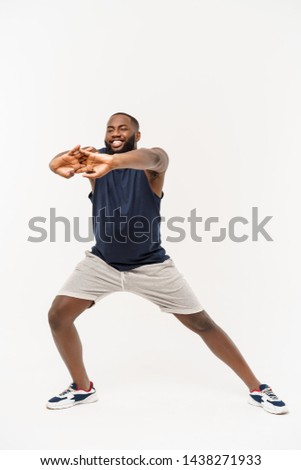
pixel 127 188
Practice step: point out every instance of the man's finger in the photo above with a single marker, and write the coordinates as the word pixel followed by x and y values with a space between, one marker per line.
pixel 75 149
pixel 87 153
pixel 81 170
pixel 86 168
pixel 91 158
pixel 89 175
pixel 90 149
pixel 77 164
pixel 77 157
pixel 67 174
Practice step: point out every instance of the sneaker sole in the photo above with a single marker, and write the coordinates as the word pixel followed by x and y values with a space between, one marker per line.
pixel 92 399
pixel 274 410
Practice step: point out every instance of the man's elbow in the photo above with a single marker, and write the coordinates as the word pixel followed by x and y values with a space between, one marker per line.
pixel 162 160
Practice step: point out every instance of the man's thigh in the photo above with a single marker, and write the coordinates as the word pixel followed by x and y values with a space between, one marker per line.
pixel 92 279
pixel 164 285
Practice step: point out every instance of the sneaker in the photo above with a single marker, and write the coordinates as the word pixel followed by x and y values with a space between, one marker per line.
pixel 266 398
pixel 72 396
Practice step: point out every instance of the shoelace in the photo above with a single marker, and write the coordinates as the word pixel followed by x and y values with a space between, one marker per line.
pixel 68 390
pixel 268 391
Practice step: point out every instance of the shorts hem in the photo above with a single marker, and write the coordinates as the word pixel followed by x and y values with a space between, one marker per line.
pixel 77 295
pixel 183 311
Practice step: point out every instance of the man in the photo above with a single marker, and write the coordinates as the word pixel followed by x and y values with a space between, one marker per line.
pixel 127 187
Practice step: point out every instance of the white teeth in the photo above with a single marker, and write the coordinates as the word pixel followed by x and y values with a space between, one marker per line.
pixel 117 143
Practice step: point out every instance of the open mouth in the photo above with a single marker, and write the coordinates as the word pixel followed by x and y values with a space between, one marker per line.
pixel 116 144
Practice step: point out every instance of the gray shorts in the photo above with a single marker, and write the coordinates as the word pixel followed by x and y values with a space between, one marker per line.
pixel 161 283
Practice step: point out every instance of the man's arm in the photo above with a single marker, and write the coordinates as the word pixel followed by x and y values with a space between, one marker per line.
pixel 98 165
pixel 154 159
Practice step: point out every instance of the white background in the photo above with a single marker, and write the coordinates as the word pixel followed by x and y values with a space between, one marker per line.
pixel 217 84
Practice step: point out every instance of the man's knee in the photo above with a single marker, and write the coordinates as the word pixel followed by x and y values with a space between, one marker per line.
pixel 198 322
pixel 64 310
pixel 57 316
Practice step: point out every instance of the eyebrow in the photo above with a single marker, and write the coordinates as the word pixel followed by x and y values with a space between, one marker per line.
pixel 121 125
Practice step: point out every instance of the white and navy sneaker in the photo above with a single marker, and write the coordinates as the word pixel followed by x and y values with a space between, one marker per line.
pixel 266 398
pixel 72 396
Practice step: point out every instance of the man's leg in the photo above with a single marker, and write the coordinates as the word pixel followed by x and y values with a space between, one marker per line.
pixel 64 310
pixel 220 344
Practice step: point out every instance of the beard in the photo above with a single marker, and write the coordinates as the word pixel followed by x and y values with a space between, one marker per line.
pixel 128 145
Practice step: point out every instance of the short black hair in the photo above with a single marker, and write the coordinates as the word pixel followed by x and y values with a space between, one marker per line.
pixel 133 120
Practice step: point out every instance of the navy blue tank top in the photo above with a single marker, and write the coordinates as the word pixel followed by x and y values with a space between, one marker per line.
pixel 126 220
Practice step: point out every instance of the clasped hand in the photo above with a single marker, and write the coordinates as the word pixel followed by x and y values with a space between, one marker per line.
pixel 82 160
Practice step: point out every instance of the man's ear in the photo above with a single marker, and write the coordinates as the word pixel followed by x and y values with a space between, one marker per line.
pixel 137 136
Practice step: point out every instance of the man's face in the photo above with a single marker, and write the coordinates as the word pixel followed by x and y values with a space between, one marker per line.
pixel 121 136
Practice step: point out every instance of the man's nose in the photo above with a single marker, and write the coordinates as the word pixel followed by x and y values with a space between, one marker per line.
pixel 116 133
